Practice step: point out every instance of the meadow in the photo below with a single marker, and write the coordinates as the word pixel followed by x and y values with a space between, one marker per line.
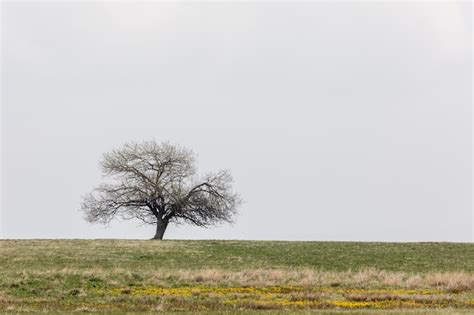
pixel 235 276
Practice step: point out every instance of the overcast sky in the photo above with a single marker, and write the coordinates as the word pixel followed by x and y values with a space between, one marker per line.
pixel 340 121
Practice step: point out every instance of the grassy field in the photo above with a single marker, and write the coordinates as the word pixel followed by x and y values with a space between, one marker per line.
pixel 235 276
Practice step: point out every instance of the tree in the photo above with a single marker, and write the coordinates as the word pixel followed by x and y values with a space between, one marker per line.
pixel 157 184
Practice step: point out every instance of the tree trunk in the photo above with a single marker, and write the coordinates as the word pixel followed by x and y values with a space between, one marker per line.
pixel 160 229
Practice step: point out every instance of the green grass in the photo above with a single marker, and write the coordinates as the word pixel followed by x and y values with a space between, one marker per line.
pixel 228 276
pixel 236 255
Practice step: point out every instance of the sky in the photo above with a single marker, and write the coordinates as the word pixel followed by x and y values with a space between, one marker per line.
pixel 345 121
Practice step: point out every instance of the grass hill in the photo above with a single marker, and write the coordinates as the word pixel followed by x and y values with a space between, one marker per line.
pixel 140 276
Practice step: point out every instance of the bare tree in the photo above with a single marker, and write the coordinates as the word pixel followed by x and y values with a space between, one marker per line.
pixel 157 184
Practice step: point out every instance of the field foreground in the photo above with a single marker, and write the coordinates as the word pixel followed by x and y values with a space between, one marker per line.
pixel 233 276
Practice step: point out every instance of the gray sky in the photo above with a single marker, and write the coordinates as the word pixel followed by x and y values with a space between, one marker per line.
pixel 341 121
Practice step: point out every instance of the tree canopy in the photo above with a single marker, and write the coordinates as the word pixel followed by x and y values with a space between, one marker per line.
pixel 157 184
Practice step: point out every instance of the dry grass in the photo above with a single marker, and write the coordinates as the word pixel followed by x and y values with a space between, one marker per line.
pixel 455 281
pixel 450 281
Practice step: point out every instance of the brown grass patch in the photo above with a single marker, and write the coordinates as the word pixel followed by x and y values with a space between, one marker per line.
pixel 452 281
